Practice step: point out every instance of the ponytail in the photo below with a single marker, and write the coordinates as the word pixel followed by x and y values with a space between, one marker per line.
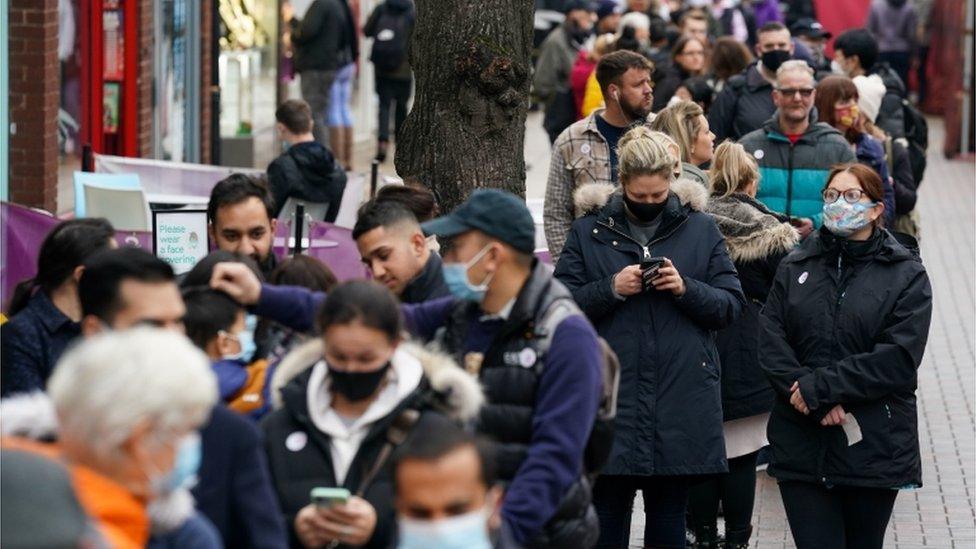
pixel 63 250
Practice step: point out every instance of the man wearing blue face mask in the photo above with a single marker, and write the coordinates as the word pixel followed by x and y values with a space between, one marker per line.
pixel 219 326
pixel 518 330
pixel 446 496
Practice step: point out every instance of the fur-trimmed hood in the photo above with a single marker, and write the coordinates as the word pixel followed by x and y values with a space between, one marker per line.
pixel 459 390
pixel 590 198
pixel 750 229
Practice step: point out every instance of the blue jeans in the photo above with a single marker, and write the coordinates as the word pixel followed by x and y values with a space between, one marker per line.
pixel 340 113
pixel 665 500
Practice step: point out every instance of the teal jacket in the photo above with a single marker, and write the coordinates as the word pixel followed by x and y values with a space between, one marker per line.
pixel 792 177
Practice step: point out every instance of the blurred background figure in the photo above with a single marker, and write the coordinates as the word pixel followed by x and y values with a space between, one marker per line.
pixel 40 508
pixel 687 60
pixel 390 26
pixel 340 110
pixel 551 82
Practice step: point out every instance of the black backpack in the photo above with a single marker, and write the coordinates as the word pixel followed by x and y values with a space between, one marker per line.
pixel 390 38
pixel 917 139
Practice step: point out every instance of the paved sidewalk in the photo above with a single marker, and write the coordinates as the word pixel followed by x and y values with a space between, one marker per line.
pixel 940 514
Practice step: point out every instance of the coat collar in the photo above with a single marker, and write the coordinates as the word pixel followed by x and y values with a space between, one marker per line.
pixel 427 282
pixel 50 316
pixel 882 246
pixel 594 198
pixel 458 393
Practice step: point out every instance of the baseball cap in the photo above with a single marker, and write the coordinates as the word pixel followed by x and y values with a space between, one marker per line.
pixel 810 28
pixel 606 8
pixel 498 214
pixel 573 5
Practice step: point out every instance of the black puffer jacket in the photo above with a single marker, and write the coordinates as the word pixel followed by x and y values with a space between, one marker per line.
pixel 325 40
pixel 744 105
pixel 849 321
pixel 299 453
pixel 307 171
pixel 757 240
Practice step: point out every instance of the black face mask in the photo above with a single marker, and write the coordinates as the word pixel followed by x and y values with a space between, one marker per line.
pixel 645 212
pixel 774 58
pixel 356 386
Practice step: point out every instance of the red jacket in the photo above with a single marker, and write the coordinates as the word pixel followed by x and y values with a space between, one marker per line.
pixel 582 68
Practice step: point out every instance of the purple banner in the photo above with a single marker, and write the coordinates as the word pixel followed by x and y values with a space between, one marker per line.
pixel 24 229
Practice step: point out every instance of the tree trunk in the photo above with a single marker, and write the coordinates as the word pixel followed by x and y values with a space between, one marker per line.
pixel 471 59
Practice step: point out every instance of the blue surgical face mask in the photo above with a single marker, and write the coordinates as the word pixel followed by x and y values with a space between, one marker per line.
pixel 245 338
pixel 467 531
pixel 185 466
pixel 456 278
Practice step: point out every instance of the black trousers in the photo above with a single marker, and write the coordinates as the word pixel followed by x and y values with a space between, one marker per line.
pixel 394 94
pixel 736 490
pixel 842 517
pixel 665 500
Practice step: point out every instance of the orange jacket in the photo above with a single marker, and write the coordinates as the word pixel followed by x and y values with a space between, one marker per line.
pixel 120 517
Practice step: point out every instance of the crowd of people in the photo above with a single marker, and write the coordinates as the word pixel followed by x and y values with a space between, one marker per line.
pixel 704 302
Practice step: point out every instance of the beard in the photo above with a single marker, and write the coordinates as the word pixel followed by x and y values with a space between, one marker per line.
pixel 636 112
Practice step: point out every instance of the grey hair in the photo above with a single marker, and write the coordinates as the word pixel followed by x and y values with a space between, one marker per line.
pixel 636 19
pixel 793 65
pixel 110 384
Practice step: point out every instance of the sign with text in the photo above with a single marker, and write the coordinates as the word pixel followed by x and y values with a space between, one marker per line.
pixel 180 238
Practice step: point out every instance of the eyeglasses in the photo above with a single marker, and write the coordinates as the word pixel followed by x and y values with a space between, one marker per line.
pixel 791 92
pixel 851 196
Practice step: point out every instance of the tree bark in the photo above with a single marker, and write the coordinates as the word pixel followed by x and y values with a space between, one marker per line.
pixel 471 59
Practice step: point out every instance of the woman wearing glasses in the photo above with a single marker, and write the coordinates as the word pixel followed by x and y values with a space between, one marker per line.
pixel 836 104
pixel 844 329
pixel 687 60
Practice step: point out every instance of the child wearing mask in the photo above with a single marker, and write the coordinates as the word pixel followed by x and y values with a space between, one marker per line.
pixel 219 326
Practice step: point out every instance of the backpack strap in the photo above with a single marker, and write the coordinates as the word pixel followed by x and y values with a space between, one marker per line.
pixel 560 310
pixel 396 434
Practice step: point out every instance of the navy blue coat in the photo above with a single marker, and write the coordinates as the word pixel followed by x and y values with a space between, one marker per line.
pixel 669 412
pixel 235 490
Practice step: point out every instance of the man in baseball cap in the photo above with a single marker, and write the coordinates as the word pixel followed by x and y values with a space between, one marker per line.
pixel 812 34
pixel 517 329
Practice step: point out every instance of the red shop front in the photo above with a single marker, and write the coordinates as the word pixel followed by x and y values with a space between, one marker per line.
pixel 109 75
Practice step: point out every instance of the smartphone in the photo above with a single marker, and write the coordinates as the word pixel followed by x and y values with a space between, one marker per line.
pixel 649 271
pixel 329 497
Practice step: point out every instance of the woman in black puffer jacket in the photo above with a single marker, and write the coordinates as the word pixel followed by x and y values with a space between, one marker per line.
pixel 843 333
pixel 757 240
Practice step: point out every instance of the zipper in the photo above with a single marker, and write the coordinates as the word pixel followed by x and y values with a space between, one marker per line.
pixel 789 183
pixel 647 248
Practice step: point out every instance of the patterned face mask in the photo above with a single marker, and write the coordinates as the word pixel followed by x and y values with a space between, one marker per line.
pixel 844 219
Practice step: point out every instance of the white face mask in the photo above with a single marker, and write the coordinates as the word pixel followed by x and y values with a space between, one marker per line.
pixel 467 531
pixel 836 68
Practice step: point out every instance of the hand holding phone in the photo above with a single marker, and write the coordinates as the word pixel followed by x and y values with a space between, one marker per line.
pixel 649 271
pixel 325 498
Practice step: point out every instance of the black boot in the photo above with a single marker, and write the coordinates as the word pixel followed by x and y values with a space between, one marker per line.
pixel 706 536
pixel 738 539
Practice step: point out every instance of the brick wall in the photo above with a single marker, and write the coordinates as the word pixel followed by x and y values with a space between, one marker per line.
pixel 34 102
pixel 144 82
